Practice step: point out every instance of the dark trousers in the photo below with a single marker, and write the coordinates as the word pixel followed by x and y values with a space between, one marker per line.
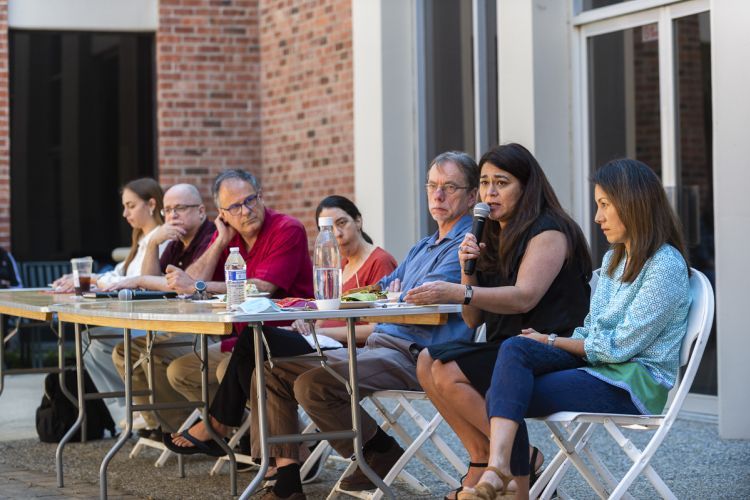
pixel 229 403
pixel 532 379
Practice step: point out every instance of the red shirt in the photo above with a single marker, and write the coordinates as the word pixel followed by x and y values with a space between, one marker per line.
pixel 279 255
pixel 177 255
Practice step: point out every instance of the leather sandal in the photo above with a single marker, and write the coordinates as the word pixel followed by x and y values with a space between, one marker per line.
pixel 486 491
pixel 457 490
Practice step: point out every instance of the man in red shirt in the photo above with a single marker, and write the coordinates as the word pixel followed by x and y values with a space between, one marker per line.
pixel 275 250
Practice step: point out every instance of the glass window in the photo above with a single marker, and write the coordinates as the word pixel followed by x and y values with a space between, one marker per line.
pixel 449 86
pixel 694 198
pixel 623 104
pixel 595 4
pixel 82 124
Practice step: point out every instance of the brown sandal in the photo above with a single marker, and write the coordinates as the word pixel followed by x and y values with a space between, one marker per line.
pixel 486 491
pixel 458 490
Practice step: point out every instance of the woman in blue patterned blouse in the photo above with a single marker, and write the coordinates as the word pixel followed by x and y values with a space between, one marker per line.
pixel 625 357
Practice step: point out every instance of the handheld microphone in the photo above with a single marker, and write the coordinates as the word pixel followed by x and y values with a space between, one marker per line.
pixel 126 294
pixel 481 212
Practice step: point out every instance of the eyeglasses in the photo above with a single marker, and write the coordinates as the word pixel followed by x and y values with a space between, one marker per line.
pixel 448 187
pixel 236 209
pixel 177 209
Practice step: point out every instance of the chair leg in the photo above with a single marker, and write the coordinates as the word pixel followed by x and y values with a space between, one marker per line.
pixel 572 445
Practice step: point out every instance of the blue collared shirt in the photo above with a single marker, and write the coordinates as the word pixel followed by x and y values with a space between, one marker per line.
pixel 431 260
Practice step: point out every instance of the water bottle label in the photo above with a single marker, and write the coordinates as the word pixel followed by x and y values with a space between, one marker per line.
pixel 235 275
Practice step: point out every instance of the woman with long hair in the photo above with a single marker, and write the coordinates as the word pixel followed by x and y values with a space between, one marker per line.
pixel 141 207
pixel 625 357
pixel 533 268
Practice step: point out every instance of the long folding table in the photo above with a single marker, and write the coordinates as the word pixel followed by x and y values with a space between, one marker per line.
pixel 33 304
pixel 189 317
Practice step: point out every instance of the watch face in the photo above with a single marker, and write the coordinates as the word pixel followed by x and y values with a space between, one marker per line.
pixel 200 286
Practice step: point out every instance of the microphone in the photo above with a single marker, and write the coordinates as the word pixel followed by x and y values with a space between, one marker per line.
pixel 481 212
pixel 126 294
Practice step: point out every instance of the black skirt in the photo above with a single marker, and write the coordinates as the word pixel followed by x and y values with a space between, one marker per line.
pixel 475 359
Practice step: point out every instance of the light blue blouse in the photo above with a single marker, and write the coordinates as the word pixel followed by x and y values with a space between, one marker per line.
pixel 640 325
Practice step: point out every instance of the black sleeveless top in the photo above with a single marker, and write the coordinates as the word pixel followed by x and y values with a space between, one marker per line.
pixel 560 310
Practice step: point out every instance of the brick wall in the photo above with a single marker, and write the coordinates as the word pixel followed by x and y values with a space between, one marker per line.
pixel 208 109
pixel 264 85
pixel 307 119
pixel 4 130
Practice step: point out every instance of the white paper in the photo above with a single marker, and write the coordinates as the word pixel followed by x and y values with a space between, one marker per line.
pixel 324 341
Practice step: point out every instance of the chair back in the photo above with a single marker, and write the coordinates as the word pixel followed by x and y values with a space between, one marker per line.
pixel 37 274
pixel 700 321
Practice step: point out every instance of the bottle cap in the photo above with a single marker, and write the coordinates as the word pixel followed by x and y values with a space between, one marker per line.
pixel 234 249
pixel 325 221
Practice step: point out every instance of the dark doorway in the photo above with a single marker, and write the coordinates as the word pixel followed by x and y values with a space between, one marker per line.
pixel 82 124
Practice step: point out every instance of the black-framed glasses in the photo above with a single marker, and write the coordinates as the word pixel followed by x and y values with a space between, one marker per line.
pixel 236 208
pixel 177 209
pixel 448 187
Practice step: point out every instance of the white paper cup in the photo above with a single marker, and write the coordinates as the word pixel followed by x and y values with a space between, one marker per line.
pixel 328 304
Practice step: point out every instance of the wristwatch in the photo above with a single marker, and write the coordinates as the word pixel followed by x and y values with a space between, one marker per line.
pixel 200 286
pixel 468 294
pixel 551 339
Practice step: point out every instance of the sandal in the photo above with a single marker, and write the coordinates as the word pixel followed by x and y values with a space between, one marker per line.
pixel 209 447
pixel 486 491
pixel 457 490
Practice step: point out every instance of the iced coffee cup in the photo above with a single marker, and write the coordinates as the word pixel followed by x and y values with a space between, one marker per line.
pixel 82 274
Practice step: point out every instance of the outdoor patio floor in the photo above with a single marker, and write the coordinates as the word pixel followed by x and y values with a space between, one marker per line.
pixel 693 461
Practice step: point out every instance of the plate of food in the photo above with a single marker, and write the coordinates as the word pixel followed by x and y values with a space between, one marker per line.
pixel 360 300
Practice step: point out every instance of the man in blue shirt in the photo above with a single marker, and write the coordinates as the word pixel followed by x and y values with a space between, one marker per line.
pixel 388 360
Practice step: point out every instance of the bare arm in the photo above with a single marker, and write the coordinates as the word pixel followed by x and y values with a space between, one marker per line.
pixel 544 257
pixel 203 268
pixel 165 232
pixel 150 264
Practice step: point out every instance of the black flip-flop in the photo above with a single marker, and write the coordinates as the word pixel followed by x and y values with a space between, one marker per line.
pixel 209 447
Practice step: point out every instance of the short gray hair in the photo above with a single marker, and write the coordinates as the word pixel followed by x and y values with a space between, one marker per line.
pixel 464 162
pixel 234 173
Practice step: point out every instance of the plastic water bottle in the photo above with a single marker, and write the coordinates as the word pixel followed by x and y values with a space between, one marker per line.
pixel 236 277
pixel 327 267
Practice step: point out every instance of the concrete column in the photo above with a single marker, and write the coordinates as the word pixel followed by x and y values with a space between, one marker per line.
pixel 385 131
pixel 534 86
pixel 730 44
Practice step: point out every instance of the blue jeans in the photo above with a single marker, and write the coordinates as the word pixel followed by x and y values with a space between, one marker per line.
pixel 532 379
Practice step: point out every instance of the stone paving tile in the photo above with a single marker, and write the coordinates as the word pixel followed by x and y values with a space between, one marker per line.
pixel 18 483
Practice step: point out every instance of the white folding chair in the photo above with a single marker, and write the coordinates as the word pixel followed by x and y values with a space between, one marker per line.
pixel 427 432
pixel 571 431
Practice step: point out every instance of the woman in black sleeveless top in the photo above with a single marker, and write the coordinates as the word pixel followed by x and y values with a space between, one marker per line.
pixel 533 268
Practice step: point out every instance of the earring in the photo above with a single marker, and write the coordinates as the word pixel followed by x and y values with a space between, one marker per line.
pixel 151 212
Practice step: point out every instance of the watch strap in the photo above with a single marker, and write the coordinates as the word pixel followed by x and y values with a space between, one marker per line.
pixel 468 294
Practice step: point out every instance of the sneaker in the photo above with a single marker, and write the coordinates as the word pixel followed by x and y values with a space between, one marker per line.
pixel 138 422
pixel 381 463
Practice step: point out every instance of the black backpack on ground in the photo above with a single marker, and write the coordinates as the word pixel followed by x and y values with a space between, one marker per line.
pixel 57 414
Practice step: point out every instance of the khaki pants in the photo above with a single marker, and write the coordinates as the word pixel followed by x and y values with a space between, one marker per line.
pixel 184 373
pixel 163 391
pixel 385 363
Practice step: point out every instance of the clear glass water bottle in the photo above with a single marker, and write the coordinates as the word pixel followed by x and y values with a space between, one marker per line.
pixel 235 277
pixel 327 267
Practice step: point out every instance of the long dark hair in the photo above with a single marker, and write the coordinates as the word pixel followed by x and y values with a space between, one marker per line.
pixel 345 204
pixel 145 188
pixel 537 198
pixel 641 203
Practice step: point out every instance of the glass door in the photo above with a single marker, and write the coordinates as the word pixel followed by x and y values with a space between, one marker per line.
pixel 645 93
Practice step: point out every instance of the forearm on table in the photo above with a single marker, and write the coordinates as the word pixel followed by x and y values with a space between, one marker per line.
pixel 203 268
